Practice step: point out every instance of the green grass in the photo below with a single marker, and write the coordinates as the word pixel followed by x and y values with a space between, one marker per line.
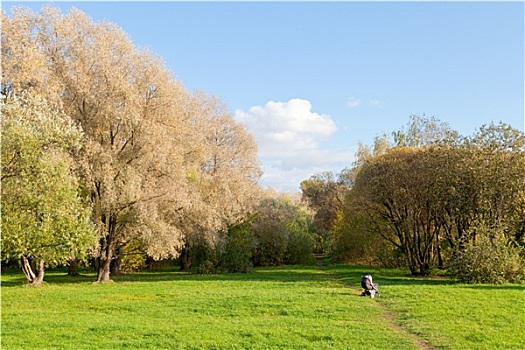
pixel 449 315
pixel 294 307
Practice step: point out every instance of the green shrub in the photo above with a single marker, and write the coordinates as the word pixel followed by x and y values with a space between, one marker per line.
pixel 133 259
pixel 203 257
pixel 300 247
pixel 236 250
pixel 270 247
pixel 489 259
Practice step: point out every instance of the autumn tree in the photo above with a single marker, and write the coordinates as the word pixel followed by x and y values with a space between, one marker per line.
pixel 282 231
pixel 423 131
pixel 355 238
pixel 397 194
pixel 145 163
pixel 223 172
pixel 492 248
pixel 44 218
pixel 324 194
pixel 482 183
pixel 432 202
pixel 499 153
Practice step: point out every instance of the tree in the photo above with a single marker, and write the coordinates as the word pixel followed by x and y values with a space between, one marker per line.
pixel 421 132
pixel 425 131
pixel 282 232
pixel 355 238
pixel 236 252
pixel 279 232
pixel 480 182
pixel 498 137
pixel 498 153
pixel 433 195
pixel 146 161
pixel 301 238
pixel 44 219
pixel 324 194
pixel 224 173
pixel 125 103
pixel 397 190
pixel 428 202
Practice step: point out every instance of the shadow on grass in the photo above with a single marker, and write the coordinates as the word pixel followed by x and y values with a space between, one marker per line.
pixel 284 274
pixel 15 277
pixel 348 274
pixel 295 273
pixel 499 287
pixel 351 275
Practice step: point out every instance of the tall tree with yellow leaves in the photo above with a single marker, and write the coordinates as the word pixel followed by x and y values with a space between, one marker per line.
pixel 144 159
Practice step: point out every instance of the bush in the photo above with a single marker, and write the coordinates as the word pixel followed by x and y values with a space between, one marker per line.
pixel 133 262
pixel 133 258
pixel 270 246
pixel 300 248
pixel 355 241
pixel 236 250
pixel 203 257
pixel 489 259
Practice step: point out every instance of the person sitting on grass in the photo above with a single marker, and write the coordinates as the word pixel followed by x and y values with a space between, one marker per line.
pixel 370 287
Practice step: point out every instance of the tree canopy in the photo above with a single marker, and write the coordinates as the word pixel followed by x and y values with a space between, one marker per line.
pixel 431 199
pixel 44 219
pixel 159 164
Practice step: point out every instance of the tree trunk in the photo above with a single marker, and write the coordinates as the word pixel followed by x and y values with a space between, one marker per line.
pixel 424 269
pixel 149 263
pixel 185 260
pixel 441 263
pixel 103 273
pixel 28 271
pixel 115 263
pixel 107 249
pixel 40 274
pixel 34 279
pixel 72 268
pixel 104 263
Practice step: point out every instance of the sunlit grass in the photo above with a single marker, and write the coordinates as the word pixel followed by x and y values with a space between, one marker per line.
pixel 286 308
pixel 449 315
pixel 297 307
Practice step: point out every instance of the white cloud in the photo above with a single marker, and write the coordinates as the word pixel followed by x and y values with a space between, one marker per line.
pixel 289 136
pixel 376 103
pixel 285 180
pixel 287 173
pixel 286 126
pixel 353 102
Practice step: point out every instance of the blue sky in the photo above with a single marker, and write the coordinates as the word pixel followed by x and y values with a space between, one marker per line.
pixel 312 79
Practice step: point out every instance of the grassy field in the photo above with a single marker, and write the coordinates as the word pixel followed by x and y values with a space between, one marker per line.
pixel 293 307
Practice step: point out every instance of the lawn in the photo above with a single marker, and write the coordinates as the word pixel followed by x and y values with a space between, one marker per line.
pixel 292 307
pixel 445 314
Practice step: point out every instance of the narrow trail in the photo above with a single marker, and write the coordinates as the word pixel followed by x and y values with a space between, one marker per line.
pixel 387 315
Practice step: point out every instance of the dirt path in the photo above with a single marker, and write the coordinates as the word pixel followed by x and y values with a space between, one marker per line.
pixel 391 318
pixel 387 315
